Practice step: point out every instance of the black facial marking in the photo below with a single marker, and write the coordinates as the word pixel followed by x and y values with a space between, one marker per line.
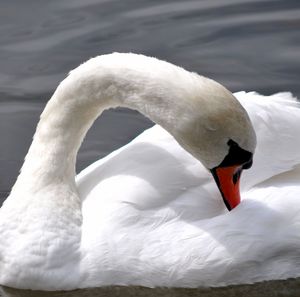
pixel 237 156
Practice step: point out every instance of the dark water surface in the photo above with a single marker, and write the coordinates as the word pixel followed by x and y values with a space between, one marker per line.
pixel 279 288
pixel 245 45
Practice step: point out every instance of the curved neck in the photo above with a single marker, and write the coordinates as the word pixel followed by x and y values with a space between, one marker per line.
pixel 157 89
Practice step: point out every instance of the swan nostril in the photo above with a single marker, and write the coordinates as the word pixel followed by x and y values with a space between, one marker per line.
pixel 236 176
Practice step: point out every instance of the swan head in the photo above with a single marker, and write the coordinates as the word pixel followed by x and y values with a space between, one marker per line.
pixel 218 132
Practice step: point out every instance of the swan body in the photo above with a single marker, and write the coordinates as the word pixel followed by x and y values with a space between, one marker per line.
pixel 150 213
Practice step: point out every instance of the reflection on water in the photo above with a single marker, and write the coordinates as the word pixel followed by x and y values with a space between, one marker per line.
pixel 286 288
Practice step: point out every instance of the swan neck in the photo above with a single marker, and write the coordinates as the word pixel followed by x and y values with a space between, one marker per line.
pixel 80 99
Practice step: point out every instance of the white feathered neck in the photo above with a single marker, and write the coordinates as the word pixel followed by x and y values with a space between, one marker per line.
pixel 167 94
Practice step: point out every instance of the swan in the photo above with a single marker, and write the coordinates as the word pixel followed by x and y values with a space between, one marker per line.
pixel 150 213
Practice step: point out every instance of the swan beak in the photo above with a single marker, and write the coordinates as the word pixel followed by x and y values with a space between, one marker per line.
pixel 228 181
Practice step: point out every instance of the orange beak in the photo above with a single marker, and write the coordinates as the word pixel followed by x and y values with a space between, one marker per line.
pixel 228 181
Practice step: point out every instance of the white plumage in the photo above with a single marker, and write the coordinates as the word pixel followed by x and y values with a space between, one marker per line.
pixel 149 213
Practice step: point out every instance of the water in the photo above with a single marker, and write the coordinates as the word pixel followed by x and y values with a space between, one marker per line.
pixel 245 45
pixel 266 289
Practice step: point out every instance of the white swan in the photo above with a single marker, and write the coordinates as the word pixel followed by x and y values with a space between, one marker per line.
pixel 150 214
